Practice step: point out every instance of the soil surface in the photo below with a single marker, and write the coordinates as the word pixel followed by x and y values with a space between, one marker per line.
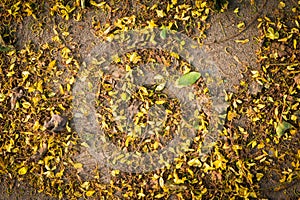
pixel 230 56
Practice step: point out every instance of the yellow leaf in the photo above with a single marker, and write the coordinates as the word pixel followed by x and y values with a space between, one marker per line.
pixel 110 37
pixel 144 90
pixel 68 128
pixel 242 41
pixel 115 172
pixel 36 126
pixel 9 74
pixel 231 115
pixel 65 33
pixel 59 174
pixel 65 52
pixel 85 185
pixel 31 89
pixel 176 179
pixel 207 167
pixel 71 80
pixel 160 102
pixel 190 172
pixel 128 68
pixel 175 55
pixel 128 140
pixel 158 196
pixel 124 96
pixel 160 13
pixel 90 193
pixel 261 145
pixel 22 170
pixel 253 144
pixel 84 144
pixel 56 39
pixel 203 4
pixel 68 87
pixel 259 176
pixel 35 100
pixel 77 165
pixel 134 57
pixel 151 24
pixel 51 94
pixel 9 146
pixel 153 7
pixel 61 89
pixel 26 105
pixel 98 5
pixel 236 11
pixel 2 97
pixel 155 145
pixel 260 157
pixel 25 75
pixel 281 5
pixel 141 194
pixel 61 106
pixel 295 43
pixel 241 25
pixel 195 162
pixel 77 194
pixel 40 86
pixel 218 164
pixel 261 106
pixel 69 60
pixel 51 65
pixel 161 182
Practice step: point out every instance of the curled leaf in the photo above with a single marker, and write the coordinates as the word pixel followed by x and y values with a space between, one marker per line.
pixel 272 34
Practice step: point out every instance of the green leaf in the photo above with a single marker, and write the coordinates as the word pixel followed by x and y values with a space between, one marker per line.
pixel 282 127
pixel 2 97
pixel 163 33
pixel 188 79
pixel 4 48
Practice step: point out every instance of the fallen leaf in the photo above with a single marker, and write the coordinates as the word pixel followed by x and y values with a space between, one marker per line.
pixel 188 79
pixel 22 170
pixel 282 127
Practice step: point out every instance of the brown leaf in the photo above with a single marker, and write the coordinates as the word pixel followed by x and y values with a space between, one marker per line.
pixel 297 79
pixel 56 124
pixel 17 93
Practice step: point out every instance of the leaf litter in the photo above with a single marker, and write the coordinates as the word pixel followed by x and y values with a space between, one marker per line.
pixel 36 82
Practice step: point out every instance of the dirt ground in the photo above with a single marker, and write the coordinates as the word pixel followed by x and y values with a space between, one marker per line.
pixel 230 57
